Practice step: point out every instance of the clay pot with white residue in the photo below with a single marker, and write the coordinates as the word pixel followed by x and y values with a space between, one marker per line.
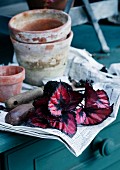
pixel 42 60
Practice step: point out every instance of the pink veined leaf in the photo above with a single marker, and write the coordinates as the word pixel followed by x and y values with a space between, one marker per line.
pixel 80 116
pixel 97 107
pixel 64 100
pixel 98 116
pixel 98 99
pixel 58 101
pixel 103 99
pixel 66 125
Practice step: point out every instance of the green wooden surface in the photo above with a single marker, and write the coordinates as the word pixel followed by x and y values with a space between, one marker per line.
pixel 23 157
pixel 11 140
pixel 85 37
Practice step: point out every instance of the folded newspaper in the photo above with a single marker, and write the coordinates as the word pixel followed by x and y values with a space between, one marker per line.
pixel 81 65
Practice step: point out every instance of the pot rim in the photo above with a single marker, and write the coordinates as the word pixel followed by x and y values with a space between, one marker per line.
pixel 69 36
pixel 37 11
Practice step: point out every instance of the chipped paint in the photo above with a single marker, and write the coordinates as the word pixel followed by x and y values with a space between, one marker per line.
pixel 49 47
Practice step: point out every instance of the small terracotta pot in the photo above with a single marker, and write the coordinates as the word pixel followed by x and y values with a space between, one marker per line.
pixel 11 79
pixel 40 26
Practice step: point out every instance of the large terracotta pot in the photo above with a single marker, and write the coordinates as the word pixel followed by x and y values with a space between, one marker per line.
pixel 42 61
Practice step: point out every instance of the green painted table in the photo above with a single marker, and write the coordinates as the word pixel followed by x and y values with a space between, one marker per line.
pixel 20 152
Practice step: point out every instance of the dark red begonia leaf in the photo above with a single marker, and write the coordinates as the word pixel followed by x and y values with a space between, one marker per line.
pixel 75 99
pixel 66 124
pixel 38 117
pixel 51 86
pixel 64 100
pixel 80 115
pixel 41 102
pixel 98 99
pixel 58 101
pixel 37 122
pixel 96 109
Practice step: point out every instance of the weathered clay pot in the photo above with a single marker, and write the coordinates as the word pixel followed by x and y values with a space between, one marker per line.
pixel 11 79
pixel 42 60
pixel 40 26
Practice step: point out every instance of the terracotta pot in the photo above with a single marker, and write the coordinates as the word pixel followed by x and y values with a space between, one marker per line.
pixel 42 60
pixel 40 26
pixel 11 79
